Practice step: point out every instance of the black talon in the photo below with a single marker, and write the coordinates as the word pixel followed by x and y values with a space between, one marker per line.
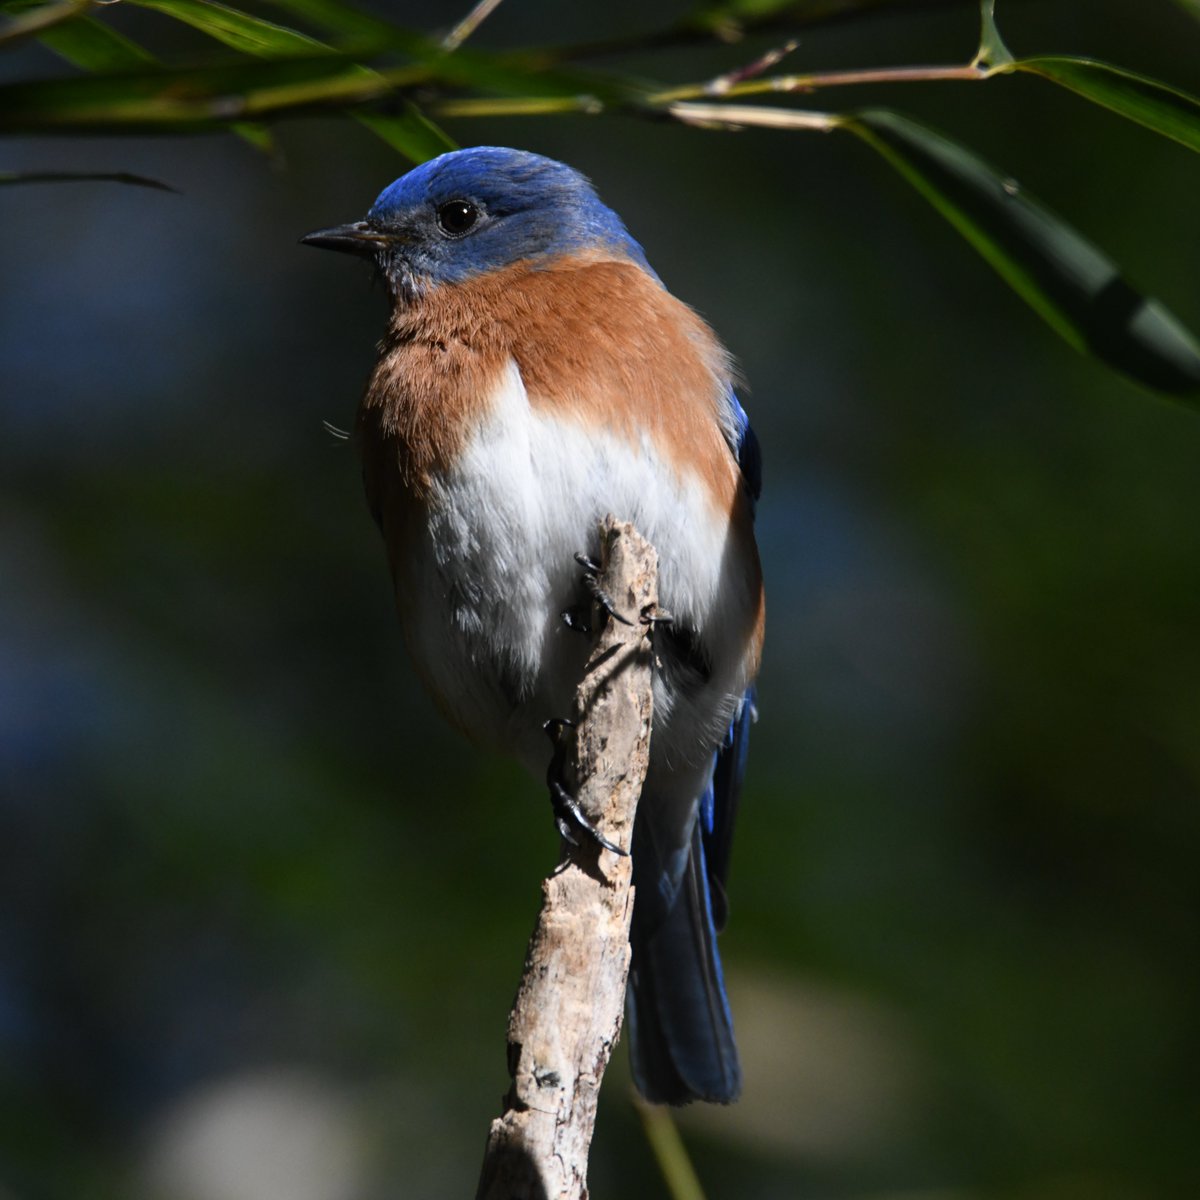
pixel 575 618
pixel 554 727
pixel 599 596
pixel 661 617
pixel 603 599
pixel 568 816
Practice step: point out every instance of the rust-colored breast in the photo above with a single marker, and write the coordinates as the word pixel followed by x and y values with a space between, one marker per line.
pixel 595 340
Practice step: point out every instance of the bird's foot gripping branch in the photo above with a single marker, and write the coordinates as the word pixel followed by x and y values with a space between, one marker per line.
pixel 567 1015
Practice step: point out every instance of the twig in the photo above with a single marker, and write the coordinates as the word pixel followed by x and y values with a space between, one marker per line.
pixel 760 66
pixel 668 101
pixel 567 1015
pixel 738 116
pixel 968 72
pixel 38 20
pixel 469 24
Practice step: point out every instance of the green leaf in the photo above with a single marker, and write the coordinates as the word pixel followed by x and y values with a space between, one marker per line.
pixel 195 98
pixel 7 177
pixel 214 97
pixel 93 46
pixel 753 13
pixel 409 131
pixel 32 22
pixel 335 17
pixel 238 30
pixel 1065 278
pixel 503 74
pixel 992 51
pixel 1157 106
pixel 258 136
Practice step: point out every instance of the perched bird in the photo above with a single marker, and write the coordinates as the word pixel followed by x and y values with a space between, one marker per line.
pixel 536 375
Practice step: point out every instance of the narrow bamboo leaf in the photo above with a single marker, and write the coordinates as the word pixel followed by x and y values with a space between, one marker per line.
pixel 509 76
pixel 193 98
pixel 749 15
pixel 32 22
pixel 262 39
pixel 992 51
pixel 410 131
pixel 335 17
pixel 1190 6
pixel 758 10
pixel 238 30
pixel 503 74
pixel 1065 278
pixel 1166 110
pixel 253 134
pixel 94 46
pixel 212 97
pixel 7 177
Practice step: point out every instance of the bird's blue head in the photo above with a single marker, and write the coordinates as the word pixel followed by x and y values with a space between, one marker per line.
pixel 477 210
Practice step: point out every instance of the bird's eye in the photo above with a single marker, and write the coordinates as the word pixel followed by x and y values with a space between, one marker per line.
pixel 456 217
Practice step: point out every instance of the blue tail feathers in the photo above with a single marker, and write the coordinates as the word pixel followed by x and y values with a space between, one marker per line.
pixel 681 1032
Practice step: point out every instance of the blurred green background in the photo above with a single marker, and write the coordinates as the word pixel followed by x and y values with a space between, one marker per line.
pixel 262 914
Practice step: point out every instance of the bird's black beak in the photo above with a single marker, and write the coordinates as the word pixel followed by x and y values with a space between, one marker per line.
pixel 359 237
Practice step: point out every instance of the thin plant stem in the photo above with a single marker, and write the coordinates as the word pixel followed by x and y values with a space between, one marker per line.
pixel 669 1151
pixel 823 79
pixel 469 24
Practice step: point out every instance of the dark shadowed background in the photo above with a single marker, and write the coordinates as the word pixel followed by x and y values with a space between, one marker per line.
pixel 262 913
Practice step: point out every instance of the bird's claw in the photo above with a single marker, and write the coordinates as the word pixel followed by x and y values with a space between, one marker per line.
pixel 569 817
pixel 591 581
pixel 575 618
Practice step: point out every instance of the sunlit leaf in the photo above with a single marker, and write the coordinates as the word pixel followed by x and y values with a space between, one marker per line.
pixel 258 136
pixel 32 22
pixel 335 17
pixel 238 30
pixel 1166 110
pixel 1074 286
pixel 408 130
pixel 209 97
pixel 94 46
pixel 205 97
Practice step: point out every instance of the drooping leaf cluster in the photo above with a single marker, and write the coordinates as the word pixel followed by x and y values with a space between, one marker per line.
pixel 330 57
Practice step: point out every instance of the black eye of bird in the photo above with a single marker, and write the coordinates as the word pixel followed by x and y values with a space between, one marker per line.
pixel 456 217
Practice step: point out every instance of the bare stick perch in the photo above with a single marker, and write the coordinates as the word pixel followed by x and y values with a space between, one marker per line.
pixel 567 1015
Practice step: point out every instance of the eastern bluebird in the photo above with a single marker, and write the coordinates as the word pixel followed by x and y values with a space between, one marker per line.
pixel 536 375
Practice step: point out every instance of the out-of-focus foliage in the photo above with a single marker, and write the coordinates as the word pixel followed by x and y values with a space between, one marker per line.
pixel 261 914
pixel 375 69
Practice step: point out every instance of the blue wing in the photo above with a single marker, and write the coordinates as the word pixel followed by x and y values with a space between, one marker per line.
pixel 719 805
pixel 747 449
pixel 681 1030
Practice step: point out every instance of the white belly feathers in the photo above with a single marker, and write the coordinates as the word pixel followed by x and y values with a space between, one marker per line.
pixel 483 595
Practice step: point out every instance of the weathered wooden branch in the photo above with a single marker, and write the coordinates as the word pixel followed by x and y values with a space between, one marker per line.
pixel 567 1015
